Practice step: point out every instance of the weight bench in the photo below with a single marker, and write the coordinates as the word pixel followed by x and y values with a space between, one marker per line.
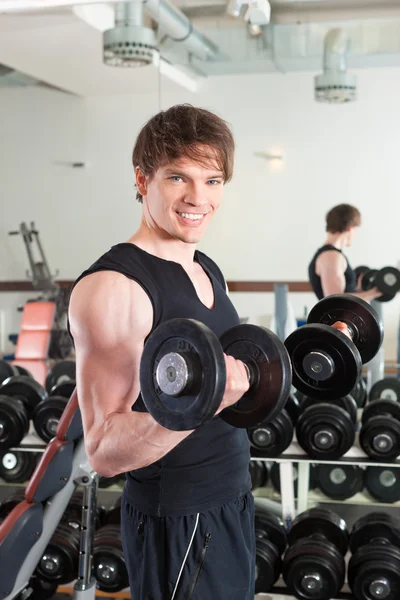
pixel 33 341
pixel 27 530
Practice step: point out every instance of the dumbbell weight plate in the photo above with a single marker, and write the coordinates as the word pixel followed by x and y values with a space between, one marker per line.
pixel 64 389
pixel 271 439
pixel 313 569
pixel 23 371
pixel 268 565
pixel 340 482
pixel 64 370
pixel 333 375
pixel 7 370
pixel 258 473
pixel 380 431
pixel 361 270
pixel 109 567
pixel 325 431
pixel 292 407
pixel 270 527
pixel 26 389
pixel 385 389
pixel 359 393
pixel 375 526
pixel 374 573
pixel 17 467
pixel 387 280
pixel 182 374
pixel 383 483
pixel 362 320
pixel 14 422
pixel 268 360
pixel 47 416
pixel 347 403
pixel 320 522
pixel 368 279
pixel 60 559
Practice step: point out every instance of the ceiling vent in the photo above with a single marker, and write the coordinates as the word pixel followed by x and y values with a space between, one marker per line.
pixel 335 85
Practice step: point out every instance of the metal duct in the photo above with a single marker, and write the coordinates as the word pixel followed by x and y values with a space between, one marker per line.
pixel 335 85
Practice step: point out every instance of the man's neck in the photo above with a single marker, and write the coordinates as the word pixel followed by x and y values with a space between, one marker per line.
pixel 336 239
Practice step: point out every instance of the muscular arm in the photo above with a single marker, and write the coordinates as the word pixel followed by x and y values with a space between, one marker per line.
pixel 331 267
pixel 110 316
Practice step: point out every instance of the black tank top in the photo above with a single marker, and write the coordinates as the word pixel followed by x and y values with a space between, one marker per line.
pixel 211 466
pixel 315 280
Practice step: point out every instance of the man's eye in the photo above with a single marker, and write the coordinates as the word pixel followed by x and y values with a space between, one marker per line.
pixel 176 178
pixel 213 181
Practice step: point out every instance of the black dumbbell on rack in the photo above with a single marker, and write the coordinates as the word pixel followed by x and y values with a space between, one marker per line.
pixel 17 466
pixel 109 567
pixel 326 430
pixel 383 483
pixel 270 439
pixel 385 389
pixel 48 413
pixel 327 362
pixel 19 396
pixel 380 430
pixel 340 482
pixel 59 562
pixel 387 280
pixel 276 477
pixel 359 393
pixel 63 372
pixel 313 566
pixel 270 545
pixel 259 474
pixel 374 567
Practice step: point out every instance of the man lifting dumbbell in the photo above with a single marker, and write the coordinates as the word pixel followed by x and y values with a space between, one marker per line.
pixel 160 353
pixel 187 495
pixel 329 271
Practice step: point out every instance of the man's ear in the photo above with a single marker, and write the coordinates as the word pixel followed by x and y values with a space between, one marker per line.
pixel 141 182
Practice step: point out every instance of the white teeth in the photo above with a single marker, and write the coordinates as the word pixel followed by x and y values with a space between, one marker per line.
pixel 191 216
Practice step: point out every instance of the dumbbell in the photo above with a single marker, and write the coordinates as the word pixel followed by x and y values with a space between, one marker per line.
pixel 183 374
pixel 326 430
pixel 19 396
pixel 387 280
pixel 270 545
pixel 327 363
pixel 47 415
pixel 385 389
pixel 359 393
pixel 16 466
pixel 272 438
pixel 380 430
pixel 383 483
pixel 313 566
pixel 340 482
pixel 59 562
pixel 7 370
pixel 109 567
pixel 275 476
pixel 63 371
pixel 374 567
pixel 258 473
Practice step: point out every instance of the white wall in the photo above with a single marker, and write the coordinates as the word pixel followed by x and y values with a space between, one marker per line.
pixel 272 219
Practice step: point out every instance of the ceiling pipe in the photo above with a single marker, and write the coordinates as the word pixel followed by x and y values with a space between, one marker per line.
pixel 335 85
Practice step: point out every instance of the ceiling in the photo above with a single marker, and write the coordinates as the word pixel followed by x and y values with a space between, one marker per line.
pixel 58 49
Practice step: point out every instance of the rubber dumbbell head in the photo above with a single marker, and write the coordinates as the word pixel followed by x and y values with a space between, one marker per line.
pixel 387 280
pixel 7 370
pixel 313 566
pixel 385 389
pixel 23 371
pixel 383 483
pixel 59 562
pixel 64 389
pixel 47 416
pixel 63 371
pixel 340 482
pixel 326 362
pixel 380 430
pixel 17 467
pixel 270 545
pixel 179 352
pixel 274 437
pixel 326 431
pixel 258 473
pixel 374 567
pixel 19 396
pixel 109 567
pixel 359 393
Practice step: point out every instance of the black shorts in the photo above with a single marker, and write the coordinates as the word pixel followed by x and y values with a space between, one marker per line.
pixel 205 556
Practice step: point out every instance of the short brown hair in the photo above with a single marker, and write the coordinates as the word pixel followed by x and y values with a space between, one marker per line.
pixel 184 130
pixel 341 217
